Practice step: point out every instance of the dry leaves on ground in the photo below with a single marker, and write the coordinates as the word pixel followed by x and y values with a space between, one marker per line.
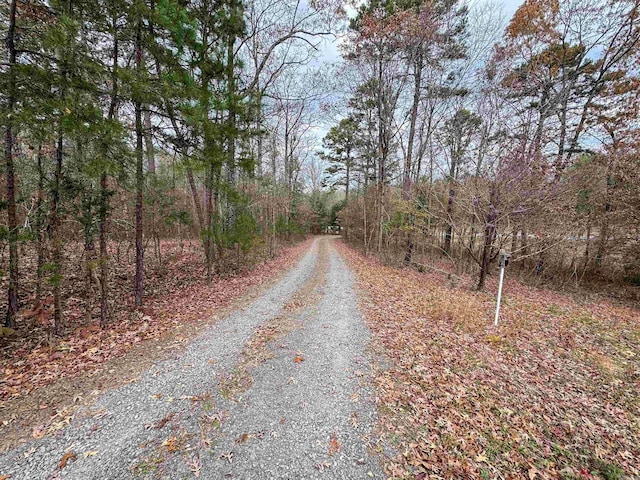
pixel 551 393
pixel 22 368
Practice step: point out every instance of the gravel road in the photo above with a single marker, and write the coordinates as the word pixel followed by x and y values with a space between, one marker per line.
pixel 305 412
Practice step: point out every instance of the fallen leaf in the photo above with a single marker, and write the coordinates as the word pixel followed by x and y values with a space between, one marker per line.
pixel 67 457
pixel 228 456
pixel 334 445
pixel 481 458
pixel 354 419
pixel 244 437
pixel 171 444
pixel 532 473
pixel 161 423
pixel 298 359
pixel 322 466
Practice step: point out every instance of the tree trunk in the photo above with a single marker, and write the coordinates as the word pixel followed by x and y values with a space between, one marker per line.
pixel 103 209
pixel 89 251
pixel 148 141
pixel 490 233
pixel 183 151
pixel 12 306
pixel 449 232
pixel 104 256
pixel 605 228
pixel 383 149
pixel 406 184
pixel 54 234
pixel 524 241
pixel 232 127
pixel 39 228
pixel 208 240
pixel 346 191
pixel 138 288
pixel 54 221
pixel 259 122
pixel 587 246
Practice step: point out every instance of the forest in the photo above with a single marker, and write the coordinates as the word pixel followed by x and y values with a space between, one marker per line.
pixel 461 140
pixel 131 126
pixel 163 158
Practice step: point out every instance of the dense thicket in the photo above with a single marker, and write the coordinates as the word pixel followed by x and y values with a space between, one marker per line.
pixel 462 139
pixel 128 122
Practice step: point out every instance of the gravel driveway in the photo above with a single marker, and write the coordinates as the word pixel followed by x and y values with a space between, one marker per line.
pixel 306 412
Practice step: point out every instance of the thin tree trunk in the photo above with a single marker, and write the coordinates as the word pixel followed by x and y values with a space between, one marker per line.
pixel 148 142
pixel 346 191
pixel 208 252
pixel 104 256
pixel 139 276
pixel 406 184
pixel 232 126
pixel 524 241
pixel 89 250
pixel 605 227
pixel 260 151
pixel 490 233
pixel 195 196
pixel 449 232
pixel 383 147
pixel 54 222
pixel 87 204
pixel 12 307
pixel 39 228
pixel 587 246
pixel 103 210
pixel 514 244
pixel 54 225
pixel 183 152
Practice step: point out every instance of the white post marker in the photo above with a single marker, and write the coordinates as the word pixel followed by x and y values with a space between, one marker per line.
pixel 504 261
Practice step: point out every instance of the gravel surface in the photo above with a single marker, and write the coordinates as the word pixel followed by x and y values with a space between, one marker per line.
pixel 298 420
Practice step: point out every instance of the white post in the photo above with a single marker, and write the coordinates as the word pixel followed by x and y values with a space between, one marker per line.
pixel 495 322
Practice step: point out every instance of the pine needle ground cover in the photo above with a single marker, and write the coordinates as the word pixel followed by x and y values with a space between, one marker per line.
pixel 550 393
